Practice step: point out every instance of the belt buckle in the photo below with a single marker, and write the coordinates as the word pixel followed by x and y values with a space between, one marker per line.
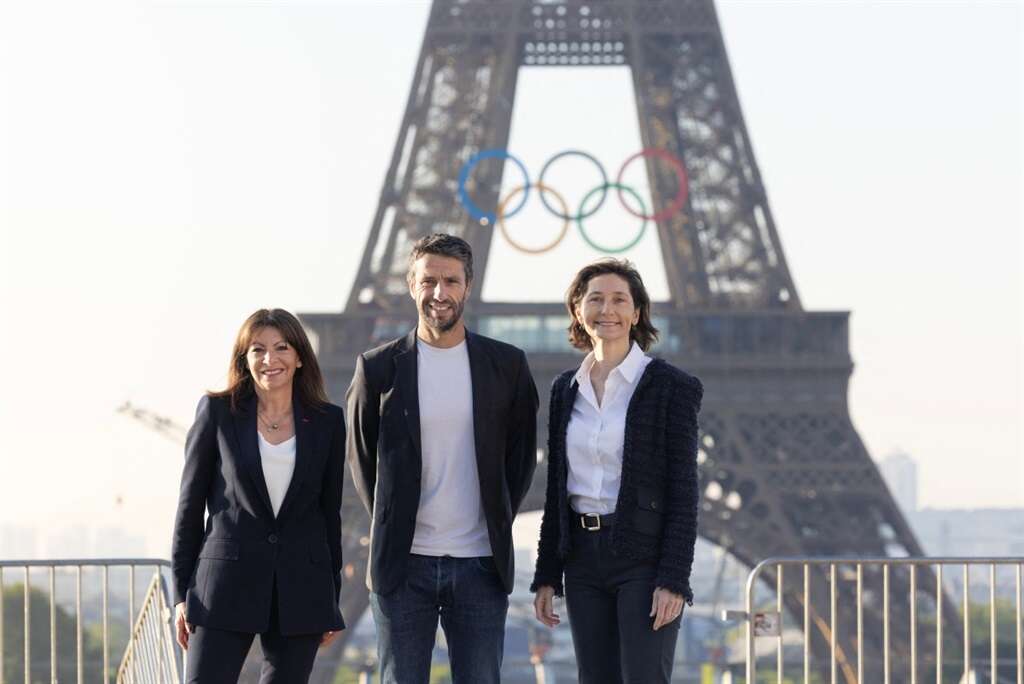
pixel 588 528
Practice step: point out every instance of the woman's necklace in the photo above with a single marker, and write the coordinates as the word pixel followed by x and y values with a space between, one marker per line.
pixel 273 424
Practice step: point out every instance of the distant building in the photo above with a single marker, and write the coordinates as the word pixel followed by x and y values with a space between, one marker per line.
pixel 900 474
pixel 74 541
pixel 970 532
pixel 114 542
pixel 18 542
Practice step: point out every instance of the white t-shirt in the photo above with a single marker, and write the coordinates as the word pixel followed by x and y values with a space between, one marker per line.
pixel 450 520
pixel 278 461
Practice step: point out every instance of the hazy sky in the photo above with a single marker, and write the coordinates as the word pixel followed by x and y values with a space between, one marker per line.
pixel 167 168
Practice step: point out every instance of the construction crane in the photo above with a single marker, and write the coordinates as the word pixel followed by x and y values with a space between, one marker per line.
pixel 165 426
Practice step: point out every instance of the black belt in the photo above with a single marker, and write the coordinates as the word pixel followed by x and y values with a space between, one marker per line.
pixel 592 522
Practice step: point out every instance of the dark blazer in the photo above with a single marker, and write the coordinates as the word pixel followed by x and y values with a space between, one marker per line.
pixel 656 512
pixel 227 572
pixel 385 455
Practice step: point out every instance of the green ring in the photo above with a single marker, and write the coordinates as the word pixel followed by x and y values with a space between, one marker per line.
pixel 604 188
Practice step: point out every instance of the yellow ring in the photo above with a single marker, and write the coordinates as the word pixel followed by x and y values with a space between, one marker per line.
pixel 501 218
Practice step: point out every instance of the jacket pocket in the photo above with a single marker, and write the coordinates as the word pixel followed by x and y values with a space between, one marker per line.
pixel 649 517
pixel 219 549
pixel 318 552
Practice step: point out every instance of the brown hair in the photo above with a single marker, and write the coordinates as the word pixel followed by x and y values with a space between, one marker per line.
pixel 643 333
pixel 442 244
pixel 308 380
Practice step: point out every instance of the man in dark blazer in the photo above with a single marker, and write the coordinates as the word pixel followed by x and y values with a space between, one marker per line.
pixel 442 446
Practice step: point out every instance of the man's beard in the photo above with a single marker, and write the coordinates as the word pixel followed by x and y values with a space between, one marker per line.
pixel 435 323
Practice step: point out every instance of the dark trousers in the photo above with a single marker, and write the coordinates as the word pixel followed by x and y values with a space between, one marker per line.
pixel 609 602
pixel 216 656
pixel 467 595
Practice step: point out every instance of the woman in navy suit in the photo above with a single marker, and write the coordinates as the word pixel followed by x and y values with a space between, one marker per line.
pixel 620 517
pixel 264 459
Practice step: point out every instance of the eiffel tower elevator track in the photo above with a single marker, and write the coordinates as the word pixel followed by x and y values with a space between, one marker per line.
pixel 783 470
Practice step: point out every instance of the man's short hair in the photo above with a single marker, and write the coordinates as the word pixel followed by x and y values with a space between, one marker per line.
pixel 442 244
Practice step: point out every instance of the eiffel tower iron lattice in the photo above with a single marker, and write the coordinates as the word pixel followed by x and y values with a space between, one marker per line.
pixel 783 469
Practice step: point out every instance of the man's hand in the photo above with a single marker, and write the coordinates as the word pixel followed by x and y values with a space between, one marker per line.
pixel 666 606
pixel 183 627
pixel 544 606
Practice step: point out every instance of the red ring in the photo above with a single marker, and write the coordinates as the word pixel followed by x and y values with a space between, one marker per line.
pixel 684 186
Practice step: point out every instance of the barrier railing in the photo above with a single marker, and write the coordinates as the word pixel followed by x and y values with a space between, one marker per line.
pixel 769 622
pixel 134 626
pixel 149 657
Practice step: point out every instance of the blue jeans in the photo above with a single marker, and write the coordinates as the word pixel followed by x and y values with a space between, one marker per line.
pixel 470 600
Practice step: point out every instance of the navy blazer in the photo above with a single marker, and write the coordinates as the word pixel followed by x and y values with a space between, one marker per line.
pixel 226 571
pixel 385 455
pixel 656 511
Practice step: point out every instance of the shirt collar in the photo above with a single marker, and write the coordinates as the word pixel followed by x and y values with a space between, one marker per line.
pixel 629 368
pixel 633 363
pixel 583 372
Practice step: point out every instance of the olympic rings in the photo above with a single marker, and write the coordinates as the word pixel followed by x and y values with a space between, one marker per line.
pixel 604 184
pixel 643 226
pixel 677 201
pixel 541 188
pixel 499 216
pixel 475 211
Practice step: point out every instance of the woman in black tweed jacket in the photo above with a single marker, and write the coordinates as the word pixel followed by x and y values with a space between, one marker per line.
pixel 620 518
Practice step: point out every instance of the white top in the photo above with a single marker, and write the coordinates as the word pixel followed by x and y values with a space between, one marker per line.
pixel 450 520
pixel 594 439
pixel 278 461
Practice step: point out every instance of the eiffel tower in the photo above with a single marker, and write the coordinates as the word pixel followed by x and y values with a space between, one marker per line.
pixel 783 470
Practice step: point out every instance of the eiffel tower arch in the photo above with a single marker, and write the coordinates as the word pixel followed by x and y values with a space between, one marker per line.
pixel 783 470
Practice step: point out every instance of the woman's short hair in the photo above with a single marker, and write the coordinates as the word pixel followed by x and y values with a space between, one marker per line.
pixel 442 244
pixel 643 333
pixel 308 382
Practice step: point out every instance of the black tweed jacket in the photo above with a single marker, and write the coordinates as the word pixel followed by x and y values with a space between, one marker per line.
pixel 656 512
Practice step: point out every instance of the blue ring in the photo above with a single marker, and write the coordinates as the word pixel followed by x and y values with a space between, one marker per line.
pixel 475 211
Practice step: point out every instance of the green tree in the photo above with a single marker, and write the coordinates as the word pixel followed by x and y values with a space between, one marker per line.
pixel 13 656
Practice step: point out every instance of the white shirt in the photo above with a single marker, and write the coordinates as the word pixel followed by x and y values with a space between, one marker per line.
pixel 594 439
pixel 278 461
pixel 450 520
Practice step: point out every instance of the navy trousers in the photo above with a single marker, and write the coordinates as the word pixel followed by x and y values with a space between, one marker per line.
pixel 609 603
pixel 216 656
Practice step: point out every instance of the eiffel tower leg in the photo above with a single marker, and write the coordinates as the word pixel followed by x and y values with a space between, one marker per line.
pixel 682 253
pixel 731 254
pixel 784 473
pixel 460 103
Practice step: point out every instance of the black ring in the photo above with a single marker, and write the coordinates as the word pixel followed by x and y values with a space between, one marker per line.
pixel 604 184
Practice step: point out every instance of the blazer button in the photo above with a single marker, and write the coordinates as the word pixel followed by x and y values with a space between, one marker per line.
pixel 272 539
pixel 654 505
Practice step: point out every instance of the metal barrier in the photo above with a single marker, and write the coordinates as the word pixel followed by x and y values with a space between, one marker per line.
pixel 149 657
pixel 154 610
pixel 770 622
